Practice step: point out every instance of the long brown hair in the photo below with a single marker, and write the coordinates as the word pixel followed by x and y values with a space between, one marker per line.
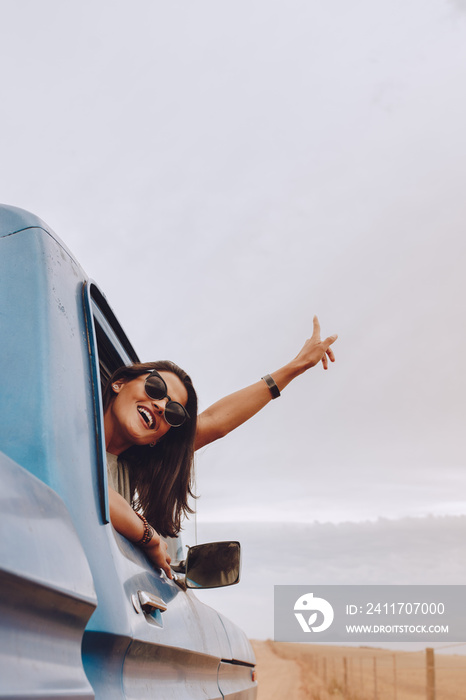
pixel 161 477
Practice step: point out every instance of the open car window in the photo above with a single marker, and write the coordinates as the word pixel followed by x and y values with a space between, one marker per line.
pixel 109 349
pixel 113 347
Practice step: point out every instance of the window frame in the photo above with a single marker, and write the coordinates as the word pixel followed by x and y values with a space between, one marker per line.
pixel 109 349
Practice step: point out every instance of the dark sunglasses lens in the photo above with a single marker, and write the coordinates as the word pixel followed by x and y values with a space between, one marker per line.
pixel 175 415
pixel 155 387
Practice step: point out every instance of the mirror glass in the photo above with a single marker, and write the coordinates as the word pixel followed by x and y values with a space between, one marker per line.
pixel 213 565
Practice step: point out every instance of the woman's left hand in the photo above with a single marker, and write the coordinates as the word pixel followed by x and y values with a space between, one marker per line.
pixel 315 350
pixel 156 550
pixel 233 410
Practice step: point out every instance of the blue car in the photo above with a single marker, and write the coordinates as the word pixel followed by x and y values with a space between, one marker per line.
pixel 83 613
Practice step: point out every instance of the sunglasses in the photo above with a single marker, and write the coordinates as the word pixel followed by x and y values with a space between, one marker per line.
pixel 175 413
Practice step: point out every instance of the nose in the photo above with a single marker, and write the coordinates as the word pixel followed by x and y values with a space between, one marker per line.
pixel 159 405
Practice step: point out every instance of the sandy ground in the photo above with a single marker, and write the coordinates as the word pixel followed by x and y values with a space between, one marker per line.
pixel 278 678
pixel 314 672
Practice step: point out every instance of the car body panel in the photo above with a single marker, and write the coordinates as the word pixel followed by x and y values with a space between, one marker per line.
pixel 46 591
pixel 53 461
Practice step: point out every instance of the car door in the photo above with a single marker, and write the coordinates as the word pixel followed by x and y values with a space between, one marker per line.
pixel 176 646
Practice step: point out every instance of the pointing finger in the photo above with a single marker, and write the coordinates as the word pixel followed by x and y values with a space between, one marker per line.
pixel 316 328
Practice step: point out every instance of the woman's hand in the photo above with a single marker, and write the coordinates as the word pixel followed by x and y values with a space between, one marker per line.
pixel 227 414
pixel 156 550
pixel 315 350
pixel 127 523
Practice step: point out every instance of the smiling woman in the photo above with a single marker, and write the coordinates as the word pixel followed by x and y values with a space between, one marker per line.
pixel 150 418
pixel 152 430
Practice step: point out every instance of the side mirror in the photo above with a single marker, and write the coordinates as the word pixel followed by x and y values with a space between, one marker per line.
pixel 211 565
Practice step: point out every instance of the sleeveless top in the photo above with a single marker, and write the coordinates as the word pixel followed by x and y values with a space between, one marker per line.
pixel 118 476
pixel 118 479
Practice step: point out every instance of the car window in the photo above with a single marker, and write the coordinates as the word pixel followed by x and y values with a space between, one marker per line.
pixel 109 348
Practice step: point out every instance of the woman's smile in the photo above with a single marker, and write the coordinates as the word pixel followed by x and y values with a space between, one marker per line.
pixel 148 417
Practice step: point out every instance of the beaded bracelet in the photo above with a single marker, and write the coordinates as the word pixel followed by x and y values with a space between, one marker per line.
pixel 148 531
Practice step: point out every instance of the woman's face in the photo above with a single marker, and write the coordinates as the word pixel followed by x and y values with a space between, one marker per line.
pixel 133 418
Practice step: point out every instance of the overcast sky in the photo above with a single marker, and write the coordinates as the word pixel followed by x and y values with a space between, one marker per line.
pixel 406 551
pixel 224 171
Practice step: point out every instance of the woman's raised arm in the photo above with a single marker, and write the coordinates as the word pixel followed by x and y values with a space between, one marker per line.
pixel 233 410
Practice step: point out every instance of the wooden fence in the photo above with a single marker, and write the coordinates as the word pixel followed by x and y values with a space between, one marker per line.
pixel 389 677
pixel 358 673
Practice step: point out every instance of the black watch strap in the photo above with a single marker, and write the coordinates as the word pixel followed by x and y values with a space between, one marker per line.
pixel 274 390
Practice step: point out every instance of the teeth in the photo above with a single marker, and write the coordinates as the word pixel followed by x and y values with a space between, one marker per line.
pixel 146 415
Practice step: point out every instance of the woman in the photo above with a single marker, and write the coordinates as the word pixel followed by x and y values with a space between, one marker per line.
pixel 151 424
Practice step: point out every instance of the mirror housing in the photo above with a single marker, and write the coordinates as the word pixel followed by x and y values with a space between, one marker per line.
pixel 210 565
